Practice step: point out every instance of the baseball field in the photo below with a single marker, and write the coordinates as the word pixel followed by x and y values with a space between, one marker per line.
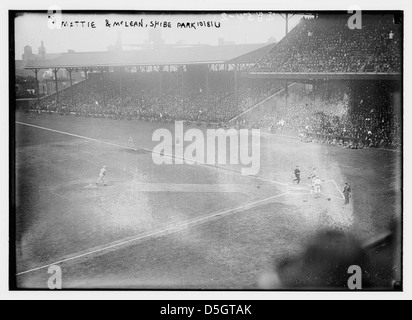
pixel 179 226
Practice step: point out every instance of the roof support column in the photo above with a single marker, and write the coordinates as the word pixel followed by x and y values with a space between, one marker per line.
pixel 55 70
pixel 102 72
pixel 85 70
pixel 70 70
pixel 287 18
pixel 287 24
pixel 37 86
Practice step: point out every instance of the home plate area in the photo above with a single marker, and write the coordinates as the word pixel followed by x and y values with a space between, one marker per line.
pixel 329 189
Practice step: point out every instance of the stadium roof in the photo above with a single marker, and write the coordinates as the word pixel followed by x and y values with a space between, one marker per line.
pixel 160 56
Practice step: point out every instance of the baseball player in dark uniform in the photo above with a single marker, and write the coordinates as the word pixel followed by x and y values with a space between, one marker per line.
pixel 297 175
pixel 346 192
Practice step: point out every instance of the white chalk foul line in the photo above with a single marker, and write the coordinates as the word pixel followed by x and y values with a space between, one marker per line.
pixel 72 134
pixel 341 194
pixel 156 233
pixel 199 163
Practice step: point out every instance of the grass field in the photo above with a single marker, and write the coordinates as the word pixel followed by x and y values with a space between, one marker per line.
pixel 178 226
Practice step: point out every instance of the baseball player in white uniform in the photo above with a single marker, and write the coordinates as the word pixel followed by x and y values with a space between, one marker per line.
pixel 101 176
pixel 316 186
pixel 312 175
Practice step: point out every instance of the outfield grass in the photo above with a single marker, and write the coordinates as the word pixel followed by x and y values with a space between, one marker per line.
pixel 61 214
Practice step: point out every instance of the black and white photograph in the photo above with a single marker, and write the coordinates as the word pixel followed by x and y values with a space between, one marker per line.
pixel 212 150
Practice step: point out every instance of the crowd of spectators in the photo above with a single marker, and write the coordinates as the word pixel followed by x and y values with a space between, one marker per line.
pixel 371 118
pixel 143 99
pixel 327 44
pixel 334 116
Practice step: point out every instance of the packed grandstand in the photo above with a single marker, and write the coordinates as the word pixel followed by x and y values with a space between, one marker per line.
pixel 348 112
pixel 327 44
